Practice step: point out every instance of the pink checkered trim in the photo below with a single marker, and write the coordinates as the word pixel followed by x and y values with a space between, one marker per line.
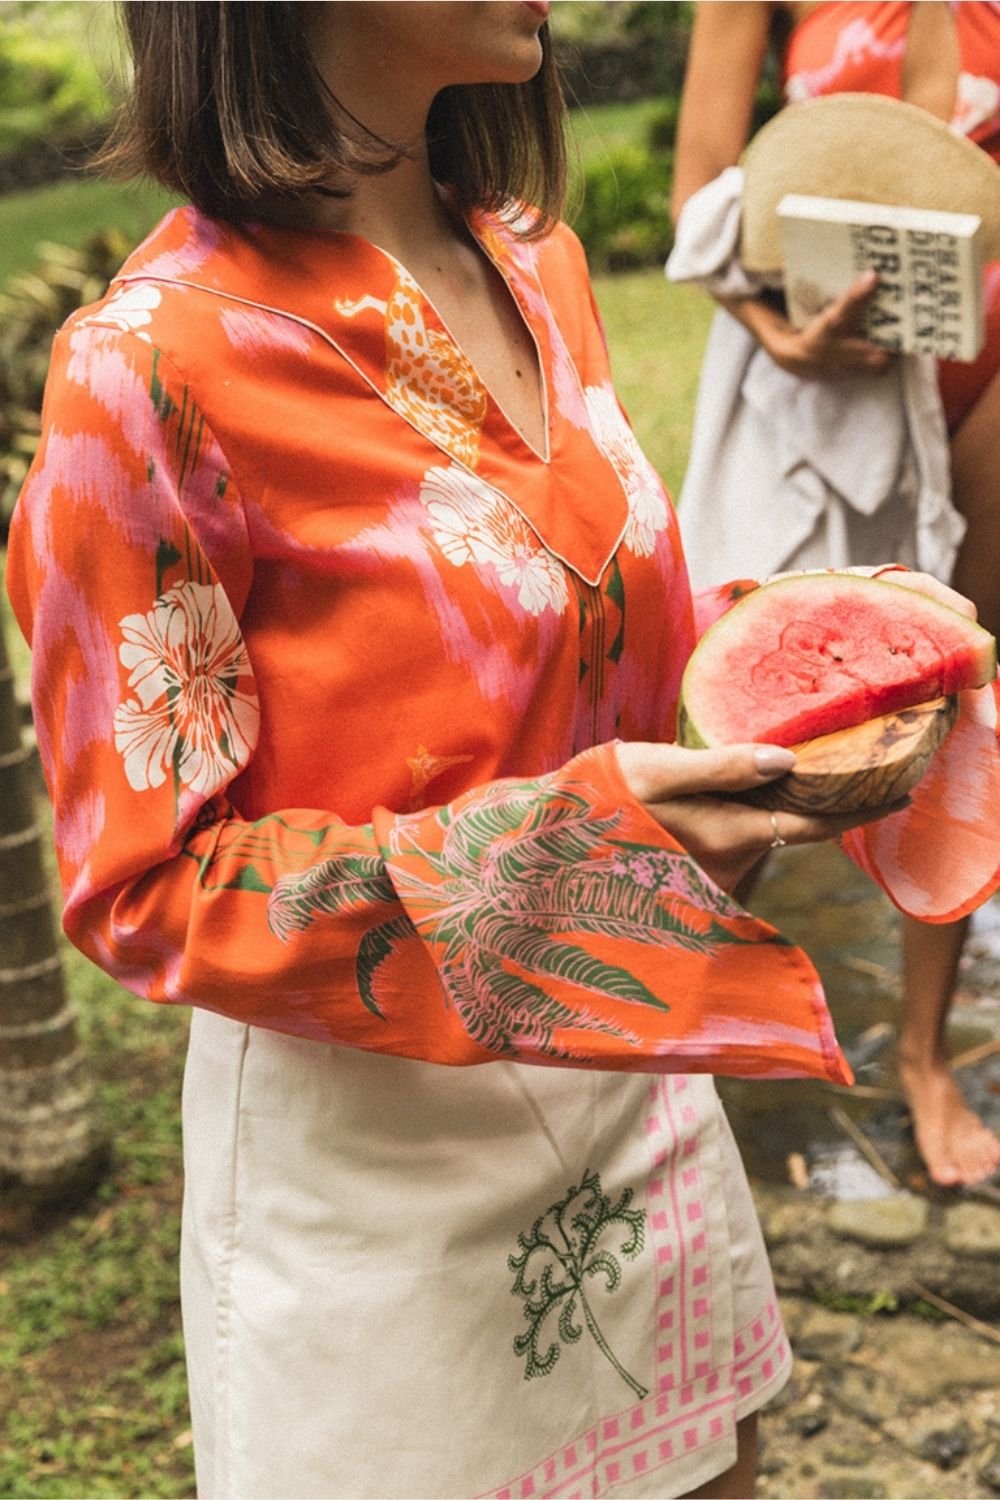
pixel 692 1405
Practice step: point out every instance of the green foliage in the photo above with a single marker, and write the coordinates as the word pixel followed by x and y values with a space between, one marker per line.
pixel 624 216
pixel 767 102
pixel 91 1365
pixel 49 89
pixel 864 1304
pixel 33 306
pixel 661 131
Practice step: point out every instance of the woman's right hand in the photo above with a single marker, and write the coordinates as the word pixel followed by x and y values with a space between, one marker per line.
pixel 685 791
pixel 827 348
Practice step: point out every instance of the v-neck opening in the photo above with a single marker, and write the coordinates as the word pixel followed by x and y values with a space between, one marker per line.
pixel 360 300
pixel 496 265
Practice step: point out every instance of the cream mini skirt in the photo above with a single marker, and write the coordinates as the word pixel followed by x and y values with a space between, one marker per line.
pixel 405 1281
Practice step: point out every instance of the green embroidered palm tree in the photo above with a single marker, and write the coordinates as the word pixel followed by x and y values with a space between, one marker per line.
pixel 559 1257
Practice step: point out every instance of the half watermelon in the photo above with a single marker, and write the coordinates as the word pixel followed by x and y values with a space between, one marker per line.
pixel 821 652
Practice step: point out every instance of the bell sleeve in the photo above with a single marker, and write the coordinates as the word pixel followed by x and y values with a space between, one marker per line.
pixel 547 920
pixel 939 858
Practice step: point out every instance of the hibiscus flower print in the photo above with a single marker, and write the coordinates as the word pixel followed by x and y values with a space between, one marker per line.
pixel 195 711
pixel 470 522
pixel 647 500
pixel 129 310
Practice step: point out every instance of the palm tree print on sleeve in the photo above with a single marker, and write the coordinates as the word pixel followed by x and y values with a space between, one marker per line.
pixel 562 1256
pixel 524 872
pixel 505 885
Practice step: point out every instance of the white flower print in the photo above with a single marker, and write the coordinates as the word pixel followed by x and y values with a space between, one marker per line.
pixel 471 522
pixel 129 310
pixel 647 501
pixel 195 710
pixel 977 100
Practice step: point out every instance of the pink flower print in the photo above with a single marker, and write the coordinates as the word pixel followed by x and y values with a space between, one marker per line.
pixel 647 501
pixel 673 875
pixel 195 712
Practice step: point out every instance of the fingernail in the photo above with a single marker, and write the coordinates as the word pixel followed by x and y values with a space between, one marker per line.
pixel 773 760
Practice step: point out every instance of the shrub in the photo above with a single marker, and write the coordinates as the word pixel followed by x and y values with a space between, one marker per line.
pixel 624 217
pixel 51 100
pixel 48 89
pixel 661 132
pixel 32 308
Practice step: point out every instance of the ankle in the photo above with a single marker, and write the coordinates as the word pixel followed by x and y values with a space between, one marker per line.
pixel 921 1061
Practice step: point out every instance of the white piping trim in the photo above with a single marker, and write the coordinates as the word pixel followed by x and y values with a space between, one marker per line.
pixel 281 312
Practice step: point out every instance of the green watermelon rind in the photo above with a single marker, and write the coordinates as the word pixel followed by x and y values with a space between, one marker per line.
pixel 980 646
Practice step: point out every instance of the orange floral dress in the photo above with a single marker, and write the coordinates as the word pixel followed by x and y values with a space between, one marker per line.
pixel 853 46
pixel 328 663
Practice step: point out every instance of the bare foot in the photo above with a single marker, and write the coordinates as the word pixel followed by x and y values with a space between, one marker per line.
pixel 956 1147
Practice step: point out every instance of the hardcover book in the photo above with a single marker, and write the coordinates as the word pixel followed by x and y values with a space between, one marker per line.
pixel 929 298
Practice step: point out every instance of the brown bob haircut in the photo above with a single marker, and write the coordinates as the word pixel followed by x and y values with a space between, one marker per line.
pixel 212 115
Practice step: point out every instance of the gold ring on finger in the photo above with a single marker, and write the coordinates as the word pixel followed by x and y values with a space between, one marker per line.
pixel 777 841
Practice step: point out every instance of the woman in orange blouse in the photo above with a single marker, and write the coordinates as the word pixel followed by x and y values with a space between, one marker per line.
pixel 945 58
pixel 344 574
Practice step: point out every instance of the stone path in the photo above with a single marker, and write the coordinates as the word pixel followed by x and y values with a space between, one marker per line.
pixel 888 1398
pixel 881 1405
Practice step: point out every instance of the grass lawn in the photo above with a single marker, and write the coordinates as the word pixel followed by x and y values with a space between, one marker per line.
pixel 91 1367
pixel 656 333
pixel 602 128
pixel 68 212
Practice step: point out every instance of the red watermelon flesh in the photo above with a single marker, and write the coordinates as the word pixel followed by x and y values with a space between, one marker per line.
pixel 816 653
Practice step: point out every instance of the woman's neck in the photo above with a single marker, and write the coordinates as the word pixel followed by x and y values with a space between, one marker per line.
pixel 400 209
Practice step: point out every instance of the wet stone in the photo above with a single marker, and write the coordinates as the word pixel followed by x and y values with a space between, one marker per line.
pixel 944 1446
pixel 854 1487
pixel 988 1468
pixel 825 1335
pixel 882 1222
pixel 781 1223
pixel 849 1455
pixel 808 1423
pixel 928 1360
pixel 972 1229
pixel 860 1390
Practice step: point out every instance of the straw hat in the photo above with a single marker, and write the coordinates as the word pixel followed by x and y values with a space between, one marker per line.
pixel 868 147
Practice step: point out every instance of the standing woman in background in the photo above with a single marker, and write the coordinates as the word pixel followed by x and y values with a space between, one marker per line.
pixel 358 620
pixel 946 59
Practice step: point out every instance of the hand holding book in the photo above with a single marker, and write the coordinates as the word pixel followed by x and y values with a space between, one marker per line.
pixel 828 346
pixel 928 264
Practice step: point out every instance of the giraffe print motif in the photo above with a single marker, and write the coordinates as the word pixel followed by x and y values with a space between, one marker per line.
pixel 429 381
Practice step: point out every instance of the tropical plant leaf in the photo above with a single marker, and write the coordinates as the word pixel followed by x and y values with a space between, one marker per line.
pixel 569 1331
pixel 499 811
pixel 538 952
pixel 592 899
pixel 564 1267
pixel 509 807
pixel 604 1264
pixel 346 882
pixel 506 1013
pixel 375 947
pixel 539 852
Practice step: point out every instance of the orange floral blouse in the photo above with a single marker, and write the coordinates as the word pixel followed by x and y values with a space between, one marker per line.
pixel 328 660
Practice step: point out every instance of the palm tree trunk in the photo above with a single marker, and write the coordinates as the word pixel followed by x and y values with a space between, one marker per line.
pixel 50 1143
